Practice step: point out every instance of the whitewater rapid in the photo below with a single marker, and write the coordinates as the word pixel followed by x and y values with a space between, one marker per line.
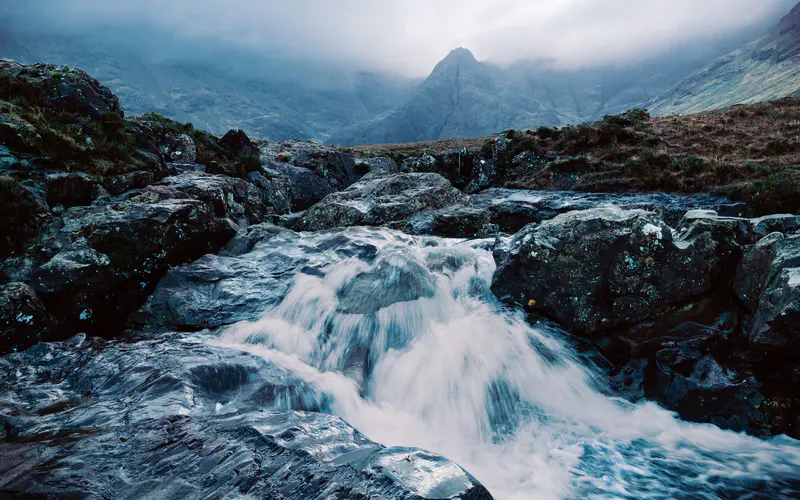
pixel 412 349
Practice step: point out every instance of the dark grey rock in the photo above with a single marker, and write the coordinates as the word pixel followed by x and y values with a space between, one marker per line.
pixel 456 221
pixel 175 417
pixel 231 197
pixel 126 182
pixel 512 209
pixel 700 389
pixel 768 282
pixel 378 200
pixel 597 269
pixel 376 166
pixel 336 168
pixel 179 148
pixel 391 280
pixel 307 187
pixel 97 264
pixel 70 189
pixel 24 321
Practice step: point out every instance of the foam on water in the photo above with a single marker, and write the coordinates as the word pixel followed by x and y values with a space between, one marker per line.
pixel 455 373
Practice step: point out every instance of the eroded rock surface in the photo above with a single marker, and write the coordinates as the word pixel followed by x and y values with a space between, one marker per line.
pixel 222 422
pixel 596 269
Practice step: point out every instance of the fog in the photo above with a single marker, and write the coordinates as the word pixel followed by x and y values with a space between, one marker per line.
pixel 404 36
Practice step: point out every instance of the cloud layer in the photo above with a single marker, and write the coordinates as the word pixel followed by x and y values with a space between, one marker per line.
pixel 410 36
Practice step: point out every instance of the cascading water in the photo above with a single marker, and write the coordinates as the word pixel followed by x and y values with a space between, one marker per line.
pixel 412 349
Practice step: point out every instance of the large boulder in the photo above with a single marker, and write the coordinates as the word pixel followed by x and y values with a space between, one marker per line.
pixel 62 89
pixel 597 269
pixel 138 179
pixel 456 221
pixel 768 282
pixel 97 264
pixel 512 209
pixel 376 165
pixel 306 187
pixel 337 168
pixel 236 141
pixel 378 200
pixel 176 417
pixel 234 198
pixel 71 189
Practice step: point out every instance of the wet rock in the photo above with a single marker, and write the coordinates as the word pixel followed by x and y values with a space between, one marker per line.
pixel 376 166
pixel 376 201
pixel 597 269
pixel 780 223
pixel 512 209
pixel 97 264
pixel 214 291
pixel 253 272
pixel 488 167
pixel 177 417
pixel 700 389
pixel 335 167
pixel 306 187
pixel 768 282
pixel 391 280
pixel 231 197
pixel 126 182
pixel 70 189
pixel 24 321
pixel 276 188
pixel 450 222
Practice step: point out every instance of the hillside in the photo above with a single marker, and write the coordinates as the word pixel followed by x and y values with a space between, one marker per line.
pixel 748 152
pixel 766 69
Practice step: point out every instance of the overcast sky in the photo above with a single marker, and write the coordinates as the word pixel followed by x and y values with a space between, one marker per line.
pixel 410 36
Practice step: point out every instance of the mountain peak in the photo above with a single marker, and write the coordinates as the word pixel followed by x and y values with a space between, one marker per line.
pixel 460 54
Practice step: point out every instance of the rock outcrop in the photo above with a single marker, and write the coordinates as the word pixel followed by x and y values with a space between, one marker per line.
pixel 379 199
pixel 602 268
pixel 768 282
pixel 151 406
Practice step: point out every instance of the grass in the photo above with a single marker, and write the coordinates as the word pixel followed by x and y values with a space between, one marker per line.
pixel 748 152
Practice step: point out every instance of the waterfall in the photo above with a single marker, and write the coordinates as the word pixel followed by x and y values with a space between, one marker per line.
pixel 412 349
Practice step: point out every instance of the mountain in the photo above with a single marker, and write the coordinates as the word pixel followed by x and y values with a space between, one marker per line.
pixel 271 100
pixel 763 70
pixel 461 98
pixel 466 98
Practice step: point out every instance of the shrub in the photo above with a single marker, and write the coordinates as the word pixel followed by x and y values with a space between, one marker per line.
pixel 249 163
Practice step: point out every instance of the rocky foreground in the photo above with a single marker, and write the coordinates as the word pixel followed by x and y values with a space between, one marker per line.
pixel 122 237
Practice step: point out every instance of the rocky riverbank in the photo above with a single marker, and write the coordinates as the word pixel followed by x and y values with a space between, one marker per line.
pixel 146 235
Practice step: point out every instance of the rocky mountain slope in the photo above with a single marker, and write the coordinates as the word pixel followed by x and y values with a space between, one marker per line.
pixel 763 70
pixel 140 255
pixel 466 98
pixel 282 100
pixel 271 100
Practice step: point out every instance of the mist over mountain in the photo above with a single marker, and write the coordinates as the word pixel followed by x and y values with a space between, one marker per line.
pixel 272 99
pixel 765 69
pixel 313 78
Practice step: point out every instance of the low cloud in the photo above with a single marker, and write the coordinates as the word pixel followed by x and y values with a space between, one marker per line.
pixel 407 36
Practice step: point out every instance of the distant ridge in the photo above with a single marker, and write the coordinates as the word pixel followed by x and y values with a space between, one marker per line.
pixel 763 70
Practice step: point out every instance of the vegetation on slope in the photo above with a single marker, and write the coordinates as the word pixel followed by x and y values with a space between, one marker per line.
pixel 749 152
